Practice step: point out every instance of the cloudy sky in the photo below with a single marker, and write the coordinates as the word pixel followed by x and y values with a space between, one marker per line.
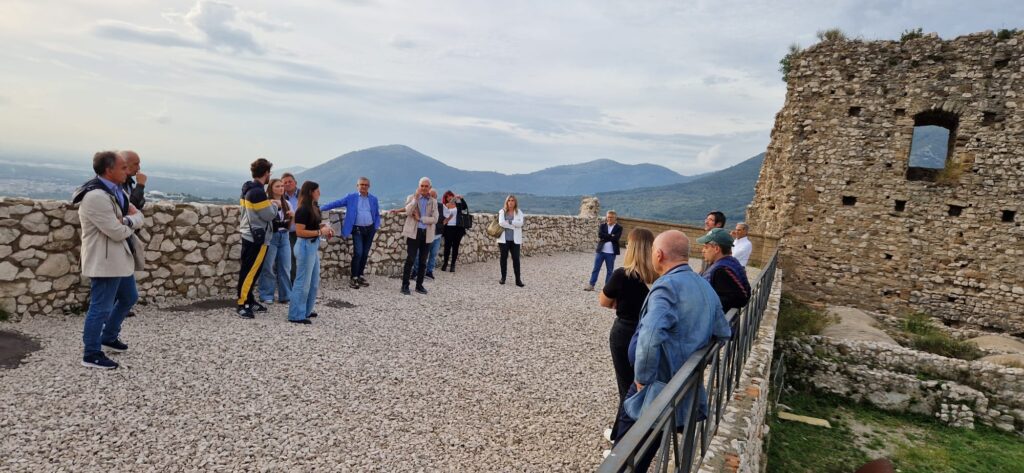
pixel 513 86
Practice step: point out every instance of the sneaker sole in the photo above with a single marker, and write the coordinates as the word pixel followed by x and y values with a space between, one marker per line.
pixel 91 365
pixel 115 350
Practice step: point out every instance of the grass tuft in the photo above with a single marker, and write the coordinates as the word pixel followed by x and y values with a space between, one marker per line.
pixel 797 319
pixel 925 336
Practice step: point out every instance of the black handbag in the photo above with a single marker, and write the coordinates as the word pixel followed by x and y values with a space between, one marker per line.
pixel 467 221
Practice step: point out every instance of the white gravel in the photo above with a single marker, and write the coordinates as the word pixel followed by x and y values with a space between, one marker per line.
pixel 472 377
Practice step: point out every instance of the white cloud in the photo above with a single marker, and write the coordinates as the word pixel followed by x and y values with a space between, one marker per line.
pixel 509 86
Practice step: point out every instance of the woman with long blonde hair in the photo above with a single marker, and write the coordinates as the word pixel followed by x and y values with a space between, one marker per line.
pixel 277 263
pixel 625 292
pixel 511 219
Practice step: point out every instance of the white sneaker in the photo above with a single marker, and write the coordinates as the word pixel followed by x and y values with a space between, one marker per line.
pixel 608 434
pixel 588 287
pixel 605 453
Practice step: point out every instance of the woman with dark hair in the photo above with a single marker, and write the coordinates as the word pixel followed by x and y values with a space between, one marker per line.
pixel 308 230
pixel 511 240
pixel 625 292
pixel 277 263
pixel 456 217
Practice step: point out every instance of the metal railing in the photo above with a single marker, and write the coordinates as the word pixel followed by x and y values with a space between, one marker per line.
pixel 681 448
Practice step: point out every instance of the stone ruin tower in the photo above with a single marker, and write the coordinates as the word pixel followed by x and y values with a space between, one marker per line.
pixel 866 220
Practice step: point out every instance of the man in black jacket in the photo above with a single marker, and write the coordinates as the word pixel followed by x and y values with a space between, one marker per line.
pixel 608 235
pixel 135 185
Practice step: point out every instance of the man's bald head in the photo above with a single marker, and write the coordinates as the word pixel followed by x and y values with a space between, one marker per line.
pixel 670 249
pixel 132 158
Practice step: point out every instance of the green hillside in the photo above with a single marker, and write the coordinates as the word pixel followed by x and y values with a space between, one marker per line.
pixel 730 190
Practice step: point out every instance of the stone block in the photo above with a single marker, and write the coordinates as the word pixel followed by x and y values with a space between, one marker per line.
pixel 186 218
pixel 55 266
pixel 36 223
pixel 66 232
pixel 8 271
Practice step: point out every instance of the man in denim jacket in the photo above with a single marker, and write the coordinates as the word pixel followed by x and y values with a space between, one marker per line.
pixel 680 316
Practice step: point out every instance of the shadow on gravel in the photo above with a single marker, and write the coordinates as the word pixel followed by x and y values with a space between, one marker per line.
pixel 338 304
pixel 14 347
pixel 209 304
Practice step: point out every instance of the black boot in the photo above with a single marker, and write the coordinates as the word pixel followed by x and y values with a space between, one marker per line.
pixel 444 266
pixel 453 266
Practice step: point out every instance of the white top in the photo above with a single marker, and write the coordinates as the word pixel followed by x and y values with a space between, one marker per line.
pixel 607 248
pixel 516 226
pixel 741 249
pixel 449 213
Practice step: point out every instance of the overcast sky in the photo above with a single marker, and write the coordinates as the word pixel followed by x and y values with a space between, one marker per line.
pixel 512 86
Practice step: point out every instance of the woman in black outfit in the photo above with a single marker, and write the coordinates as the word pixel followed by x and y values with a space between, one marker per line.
pixel 456 221
pixel 625 292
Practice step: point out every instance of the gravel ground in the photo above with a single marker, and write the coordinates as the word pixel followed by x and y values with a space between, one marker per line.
pixel 471 377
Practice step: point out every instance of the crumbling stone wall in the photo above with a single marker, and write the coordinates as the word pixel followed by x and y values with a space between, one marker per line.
pixel 854 230
pixel 956 392
pixel 192 251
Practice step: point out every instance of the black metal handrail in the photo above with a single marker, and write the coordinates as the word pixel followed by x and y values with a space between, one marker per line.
pixel 683 449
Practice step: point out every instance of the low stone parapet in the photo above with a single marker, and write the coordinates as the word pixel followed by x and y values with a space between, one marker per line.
pixel 738 445
pixel 192 251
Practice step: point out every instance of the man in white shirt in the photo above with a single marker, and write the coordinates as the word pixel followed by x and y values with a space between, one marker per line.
pixel 608 235
pixel 741 247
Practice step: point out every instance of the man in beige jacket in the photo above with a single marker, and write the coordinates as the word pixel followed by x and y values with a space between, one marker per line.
pixel 110 256
pixel 421 215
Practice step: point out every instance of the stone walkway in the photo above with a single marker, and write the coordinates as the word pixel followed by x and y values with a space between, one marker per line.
pixel 472 377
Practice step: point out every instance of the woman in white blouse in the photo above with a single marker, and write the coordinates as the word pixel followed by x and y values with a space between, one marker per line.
pixel 511 219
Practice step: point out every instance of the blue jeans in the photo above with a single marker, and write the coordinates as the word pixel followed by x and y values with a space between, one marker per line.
pixel 362 237
pixel 431 259
pixel 277 266
pixel 307 278
pixel 110 301
pixel 609 264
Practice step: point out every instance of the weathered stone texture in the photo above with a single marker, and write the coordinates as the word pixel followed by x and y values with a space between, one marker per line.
pixel 957 392
pixel 845 133
pixel 192 250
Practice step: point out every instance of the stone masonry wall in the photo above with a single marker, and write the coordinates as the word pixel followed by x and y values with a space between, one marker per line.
pixel 192 251
pixel 854 230
pixel 738 445
pixel 957 392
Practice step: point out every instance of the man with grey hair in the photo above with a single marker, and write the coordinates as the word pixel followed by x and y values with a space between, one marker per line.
pixel 135 185
pixel 110 255
pixel 741 246
pixel 680 316
pixel 421 216
pixel 362 220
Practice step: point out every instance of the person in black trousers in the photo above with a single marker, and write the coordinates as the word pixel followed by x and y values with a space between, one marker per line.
pixel 625 292
pixel 511 239
pixel 456 222
pixel 420 218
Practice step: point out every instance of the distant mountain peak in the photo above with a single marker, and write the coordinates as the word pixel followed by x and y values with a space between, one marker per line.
pixel 394 169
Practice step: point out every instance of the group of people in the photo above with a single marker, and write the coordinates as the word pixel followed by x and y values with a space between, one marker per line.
pixel 665 310
pixel 281 226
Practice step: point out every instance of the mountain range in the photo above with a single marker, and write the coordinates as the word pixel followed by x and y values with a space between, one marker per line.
pixel 394 171
pixel 730 190
pixel 642 190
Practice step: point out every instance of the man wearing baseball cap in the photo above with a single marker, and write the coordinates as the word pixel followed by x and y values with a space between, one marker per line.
pixel 726 275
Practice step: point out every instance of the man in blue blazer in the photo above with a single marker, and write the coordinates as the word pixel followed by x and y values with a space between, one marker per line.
pixel 362 220
pixel 608 235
